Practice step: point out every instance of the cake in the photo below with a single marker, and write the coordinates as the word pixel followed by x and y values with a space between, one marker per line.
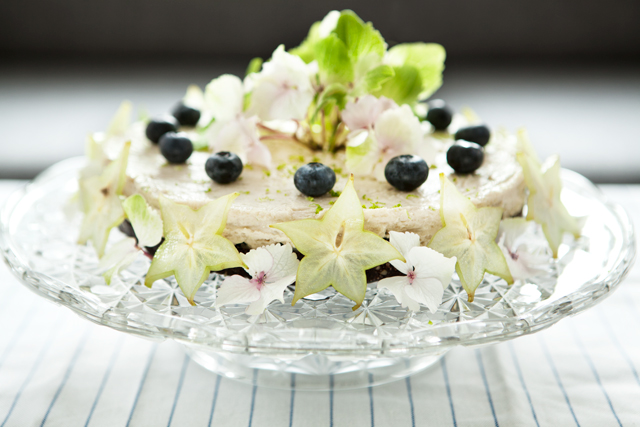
pixel 320 166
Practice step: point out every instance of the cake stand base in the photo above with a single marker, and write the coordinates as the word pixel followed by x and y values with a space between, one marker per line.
pixel 311 372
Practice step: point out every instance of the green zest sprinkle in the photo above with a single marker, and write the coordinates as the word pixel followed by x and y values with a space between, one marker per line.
pixel 411 195
pixel 433 167
pixel 297 158
pixel 399 205
pixel 315 159
pixel 332 202
pixel 208 190
pixel 333 193
pixel 282 166
pixel 266 190
pixel 250 167
pixel 267 172
pixel 309 198
pixel 318 208
pixel 244 192
pixel 265 199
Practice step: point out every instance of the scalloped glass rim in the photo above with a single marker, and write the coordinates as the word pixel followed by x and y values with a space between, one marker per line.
pixel 609 239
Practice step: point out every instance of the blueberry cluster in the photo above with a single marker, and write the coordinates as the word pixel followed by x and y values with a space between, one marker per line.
pixel 175 146
pixel 467 153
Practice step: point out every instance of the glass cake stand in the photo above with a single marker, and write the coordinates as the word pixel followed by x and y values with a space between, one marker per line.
pixel 320 339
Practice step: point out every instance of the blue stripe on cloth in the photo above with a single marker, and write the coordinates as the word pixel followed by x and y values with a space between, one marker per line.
pixel 410 396
pixel 105 377
pixel 67 373
pixel 152 353
pixel 19 332
pixel 183 371
pixel 545 350
pixel 615 341
pixel 445 374
pixel 33 369
pixel 215 399
pixel 253 395
pixel 594 371
pixel 371 399
pixel 293 394
pixel 486 386
pixel 330 400
pixel 521 377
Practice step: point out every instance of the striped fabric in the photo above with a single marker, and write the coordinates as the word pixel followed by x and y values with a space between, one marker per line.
pixel 59 370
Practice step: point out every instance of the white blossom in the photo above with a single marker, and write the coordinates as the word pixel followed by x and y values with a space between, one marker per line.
pixel 526 252
pixel 272 268
pixel 233 130
pixel 282 90
pixel 426 273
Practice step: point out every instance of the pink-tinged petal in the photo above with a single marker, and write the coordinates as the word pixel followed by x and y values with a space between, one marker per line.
pixel 363 113
pixel 428 292
pixel 236 290
pixel 257 307
pixel 259 155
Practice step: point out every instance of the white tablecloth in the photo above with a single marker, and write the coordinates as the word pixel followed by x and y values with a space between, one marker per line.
pixel 59 370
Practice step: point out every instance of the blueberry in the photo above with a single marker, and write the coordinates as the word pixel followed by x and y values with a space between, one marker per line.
pixel 465 157
pixel 158 127
pixel 479 134
pixel 439 114
pixel 175 147
pixel 406 172
pixel 223 167
pixel 185 115
pixel 314 179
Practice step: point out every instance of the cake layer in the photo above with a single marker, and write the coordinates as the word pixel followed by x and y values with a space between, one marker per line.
pixel 270 197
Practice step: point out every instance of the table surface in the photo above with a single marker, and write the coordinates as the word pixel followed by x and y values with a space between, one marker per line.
pixel 59 370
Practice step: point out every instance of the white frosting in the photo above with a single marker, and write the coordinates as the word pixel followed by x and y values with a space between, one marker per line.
pixel 270 197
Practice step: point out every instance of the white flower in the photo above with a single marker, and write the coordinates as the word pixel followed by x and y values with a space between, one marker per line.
pixel 427 273
pixel 381 130
pixel 240 136
pixel 363 113
pixel 283 89
pixel 272 268
pixel 526 252
pixel 233 130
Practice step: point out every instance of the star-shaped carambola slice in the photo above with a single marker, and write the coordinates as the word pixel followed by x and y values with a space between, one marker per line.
pixel 469 234
pixel 337 250
pixel 100 201
pixel 193 245
pixel 544 204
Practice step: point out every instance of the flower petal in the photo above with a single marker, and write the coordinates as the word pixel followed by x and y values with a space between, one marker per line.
pixel 404 242
pixel 431 264
pixel 396 286
pixel 285 263
pixel 257 261
pixel 224 97
pixel 398 132
pixel 236 289
pixel 426 291
pixel 364 112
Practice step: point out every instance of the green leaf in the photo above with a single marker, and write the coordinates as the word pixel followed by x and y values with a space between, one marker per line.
pixel 374 79
pixel 404 87
pixel 360 38
pixel 318 31
pixel 334 63
pixel 427 58
pixel 254 66
pixel 335 92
